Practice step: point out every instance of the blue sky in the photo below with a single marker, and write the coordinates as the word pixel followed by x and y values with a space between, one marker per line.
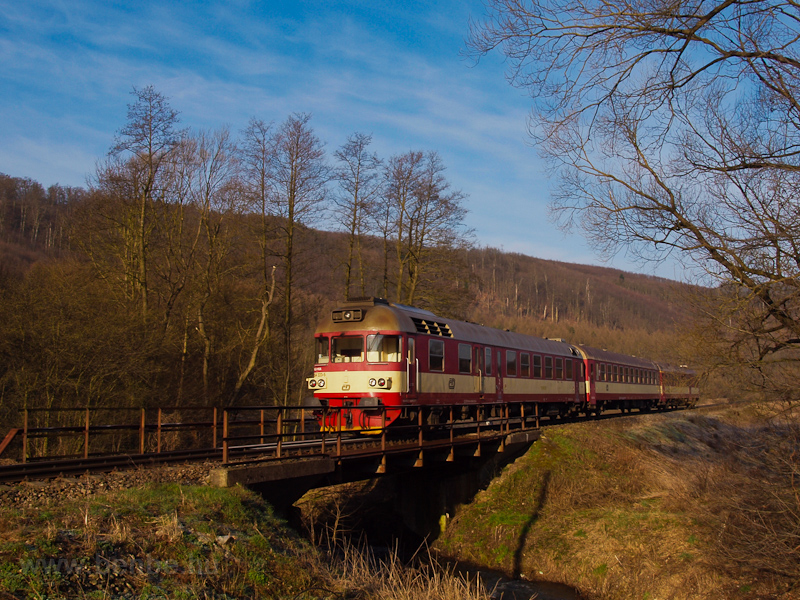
pixel 392 69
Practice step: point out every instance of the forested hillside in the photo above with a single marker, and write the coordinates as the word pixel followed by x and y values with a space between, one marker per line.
pixel 194 267
pixel 71 335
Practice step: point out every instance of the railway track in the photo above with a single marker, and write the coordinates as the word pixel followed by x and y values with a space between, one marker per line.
pixel 328 446
pixel 44 469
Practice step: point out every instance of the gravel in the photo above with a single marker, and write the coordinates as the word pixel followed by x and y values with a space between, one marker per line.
pixel 37 493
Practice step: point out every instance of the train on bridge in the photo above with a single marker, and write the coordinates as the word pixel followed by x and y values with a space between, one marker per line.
pixel 378 363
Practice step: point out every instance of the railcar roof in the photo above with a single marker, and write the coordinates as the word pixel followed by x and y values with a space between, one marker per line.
pixel 614 357
pixel 381 315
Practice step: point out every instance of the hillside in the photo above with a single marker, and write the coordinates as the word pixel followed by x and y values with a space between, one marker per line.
pixel 554 291
pixel 216 312
pixel 37 224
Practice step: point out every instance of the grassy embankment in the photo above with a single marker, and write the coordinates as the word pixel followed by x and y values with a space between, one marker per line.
pixel 696 504
pixel 172 541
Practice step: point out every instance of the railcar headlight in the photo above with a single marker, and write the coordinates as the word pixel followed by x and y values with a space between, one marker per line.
pixel 321 383
pixel 312 383
pixel 372 382
pixel 381 383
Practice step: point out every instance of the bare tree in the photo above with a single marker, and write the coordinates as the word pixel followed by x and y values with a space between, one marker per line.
pixel 258 157
pixel 360 182
pixel 142 149
pixel 676 129
pixel 402 176
pixel 215 193
pixel 299 180
pixel 428 218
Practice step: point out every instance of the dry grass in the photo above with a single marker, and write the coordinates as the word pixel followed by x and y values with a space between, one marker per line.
pixel 391 579
pixel 169 527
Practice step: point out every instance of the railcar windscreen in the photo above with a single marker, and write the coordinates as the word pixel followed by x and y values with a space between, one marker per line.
pixel 384 348
pixel 347 348
pixel 322 344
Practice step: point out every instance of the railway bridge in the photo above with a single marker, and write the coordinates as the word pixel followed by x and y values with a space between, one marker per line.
pixel 436 463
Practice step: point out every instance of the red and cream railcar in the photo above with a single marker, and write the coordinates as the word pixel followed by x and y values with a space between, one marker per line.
pixel 679 387
pixel 617 381
pixel 371 353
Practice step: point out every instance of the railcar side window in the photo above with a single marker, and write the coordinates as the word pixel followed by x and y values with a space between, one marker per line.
pixel 559 368
pixel 488 353
pixel 537 366
pixel 614 373
pixel 525 365
pixel 511 363
pixel 548 367
pixel 347 348
pixel 464 358
pixel 384 348
pixel 602 372
pixel 436 355
pixel 323 347
pixel 568 365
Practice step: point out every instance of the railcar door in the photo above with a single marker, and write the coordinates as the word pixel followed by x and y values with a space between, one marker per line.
pixel 575 375
pixel 499 377
pixel 479 370
pixel 412 369
pixel 590 383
